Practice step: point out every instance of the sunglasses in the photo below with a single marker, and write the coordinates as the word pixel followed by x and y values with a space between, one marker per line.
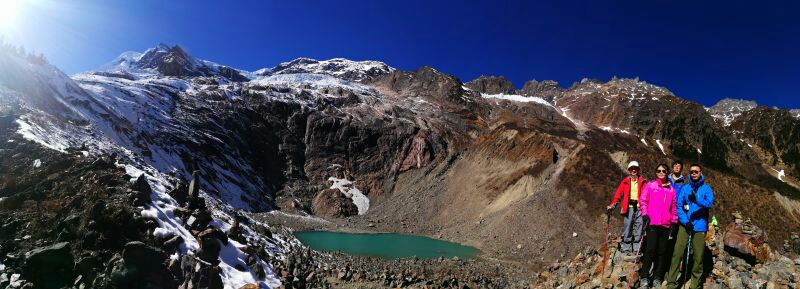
pixel 694 172
pixel 661 171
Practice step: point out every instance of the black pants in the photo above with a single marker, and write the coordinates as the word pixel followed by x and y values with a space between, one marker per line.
pixel 655 252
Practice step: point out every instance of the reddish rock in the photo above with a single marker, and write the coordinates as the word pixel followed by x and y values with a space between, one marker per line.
pixel 418 155
pixel 747 242
pixel 332 203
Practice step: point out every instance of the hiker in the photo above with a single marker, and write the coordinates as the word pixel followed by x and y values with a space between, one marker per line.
pixel 660 216
pixel 628 191
pixel 676 179
pixel 693 202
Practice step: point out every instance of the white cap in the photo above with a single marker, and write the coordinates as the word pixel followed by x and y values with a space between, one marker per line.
pixel 633 164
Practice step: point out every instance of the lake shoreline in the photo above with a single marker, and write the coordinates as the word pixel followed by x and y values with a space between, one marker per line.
pixel 389 246
pixel 341 270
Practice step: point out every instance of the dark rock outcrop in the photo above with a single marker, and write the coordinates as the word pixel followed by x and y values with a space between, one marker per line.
pixel 546 89
pixel 491 85
pixel 425 82
pixel 332 203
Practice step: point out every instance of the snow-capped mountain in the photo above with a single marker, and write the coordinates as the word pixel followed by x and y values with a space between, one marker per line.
pixel 726 110
pixel 406 151
pixel 170 61
pixel 139 122
pixel 358 71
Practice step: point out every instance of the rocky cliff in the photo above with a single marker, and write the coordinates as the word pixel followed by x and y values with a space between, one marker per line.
pixel 514 173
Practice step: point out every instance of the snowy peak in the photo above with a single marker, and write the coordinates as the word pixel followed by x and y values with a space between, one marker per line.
pixel 728 109
pixel 337 67
pixel 627 90
pixel 170 61
pixel 123 62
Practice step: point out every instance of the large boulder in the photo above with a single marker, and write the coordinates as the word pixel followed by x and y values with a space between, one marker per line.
pixel 180 193
pixel 49 267
pixel 745 239
pixel 199 274
pixel 140 254
pixel 211 242
pixel 142 266
pixel 140 191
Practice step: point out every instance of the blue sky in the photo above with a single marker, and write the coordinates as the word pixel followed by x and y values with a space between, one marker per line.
pixel 701 50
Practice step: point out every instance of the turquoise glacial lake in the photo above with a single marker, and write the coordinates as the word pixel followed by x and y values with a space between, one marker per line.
pixel 385 245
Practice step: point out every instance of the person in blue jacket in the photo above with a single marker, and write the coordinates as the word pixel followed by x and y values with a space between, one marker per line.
pixel 693 201
pixel 676 178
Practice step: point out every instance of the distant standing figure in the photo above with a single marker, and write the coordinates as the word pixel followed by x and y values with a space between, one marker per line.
pixel 628 193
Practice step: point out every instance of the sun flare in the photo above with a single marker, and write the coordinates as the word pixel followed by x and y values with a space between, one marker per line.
pixel 9 10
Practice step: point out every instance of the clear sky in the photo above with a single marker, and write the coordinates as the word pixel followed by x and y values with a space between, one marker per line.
pixel 701 50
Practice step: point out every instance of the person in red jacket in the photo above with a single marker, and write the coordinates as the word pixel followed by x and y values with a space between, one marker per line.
pixel 628 192
pixel 660 215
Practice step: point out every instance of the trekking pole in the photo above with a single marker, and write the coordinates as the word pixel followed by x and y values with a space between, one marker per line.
pixel 686 263
pixel 605 245
pixel 639 250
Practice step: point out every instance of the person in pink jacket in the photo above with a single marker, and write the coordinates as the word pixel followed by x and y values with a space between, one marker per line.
pixel 660 215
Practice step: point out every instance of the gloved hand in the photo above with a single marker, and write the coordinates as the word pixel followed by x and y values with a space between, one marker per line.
pixel 673 230
pixel 690 227
pixel 611 207
pixel 692 198
pixel 646 220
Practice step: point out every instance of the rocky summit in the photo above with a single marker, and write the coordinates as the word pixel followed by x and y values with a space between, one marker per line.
pixel 162 170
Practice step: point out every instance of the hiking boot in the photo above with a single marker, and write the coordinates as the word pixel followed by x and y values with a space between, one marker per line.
pixel 645 284
pixel 657 284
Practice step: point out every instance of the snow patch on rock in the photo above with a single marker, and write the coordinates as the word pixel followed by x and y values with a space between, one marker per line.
pixel 780 174
pixel 660 146
pixel 359 199
pixel 519 98
pixel 313 80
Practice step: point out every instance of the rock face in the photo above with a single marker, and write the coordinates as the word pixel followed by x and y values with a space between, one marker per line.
pixel 431 157
pixel 795 113
pixel 770 132
pixel 546 89
pixel 425 82
pixel 332 203
pixel 491 85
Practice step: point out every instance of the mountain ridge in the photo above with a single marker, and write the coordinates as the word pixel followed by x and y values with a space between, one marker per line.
pixel 431 155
